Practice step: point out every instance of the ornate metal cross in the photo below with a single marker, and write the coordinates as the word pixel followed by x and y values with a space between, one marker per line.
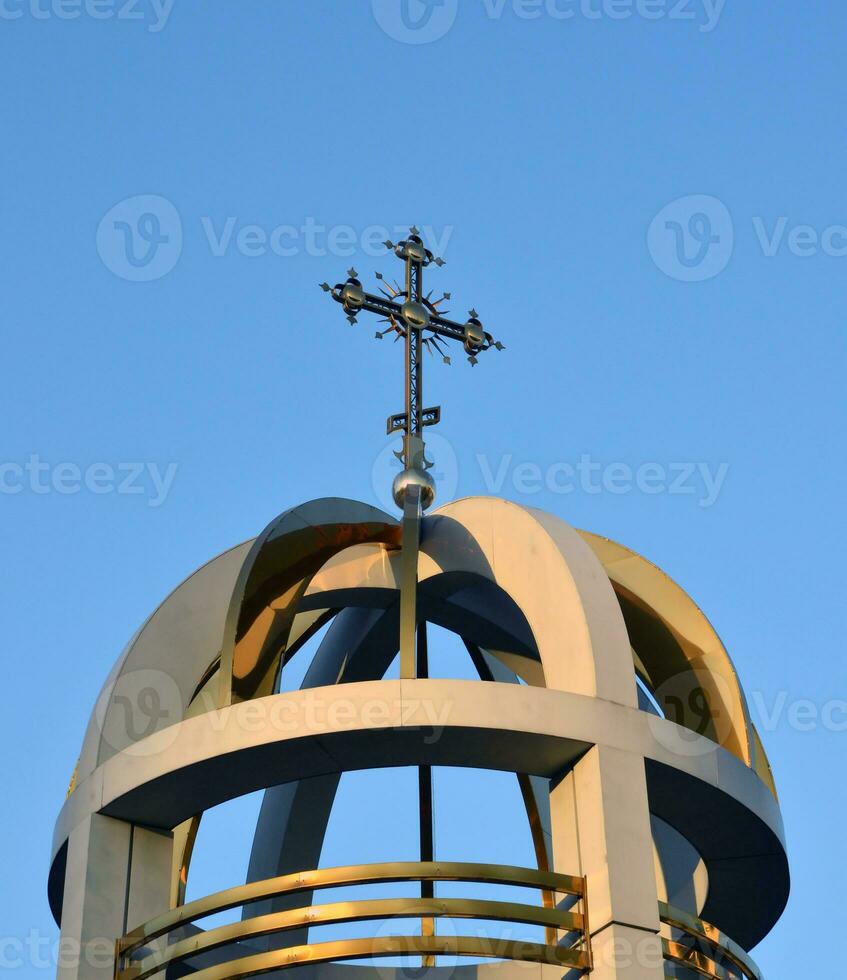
pixel 418 321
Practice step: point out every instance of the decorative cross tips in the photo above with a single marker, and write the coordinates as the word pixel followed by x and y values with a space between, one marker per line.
pixel 421 322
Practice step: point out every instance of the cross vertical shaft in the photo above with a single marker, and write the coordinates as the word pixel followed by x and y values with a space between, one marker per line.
pixel 413 441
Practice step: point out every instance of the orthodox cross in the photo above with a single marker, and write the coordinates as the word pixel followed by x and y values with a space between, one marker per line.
pixel 414 318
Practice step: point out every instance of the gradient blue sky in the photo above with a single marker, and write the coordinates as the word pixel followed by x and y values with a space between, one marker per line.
pixel 544 148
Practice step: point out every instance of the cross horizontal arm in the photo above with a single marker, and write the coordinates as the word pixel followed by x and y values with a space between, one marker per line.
pixel 397 423
pixel 371 303
pixel 448 328
pixel 436 323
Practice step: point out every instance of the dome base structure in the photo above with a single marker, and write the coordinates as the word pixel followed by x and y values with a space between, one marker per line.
pixel 602 688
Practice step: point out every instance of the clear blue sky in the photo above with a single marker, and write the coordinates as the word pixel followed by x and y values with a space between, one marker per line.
pixel 544 147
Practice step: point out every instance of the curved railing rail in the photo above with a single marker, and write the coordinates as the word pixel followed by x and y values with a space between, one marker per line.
pixel 702 949
pixel 168 939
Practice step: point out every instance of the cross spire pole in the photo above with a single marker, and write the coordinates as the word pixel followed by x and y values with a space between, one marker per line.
pixel 415 318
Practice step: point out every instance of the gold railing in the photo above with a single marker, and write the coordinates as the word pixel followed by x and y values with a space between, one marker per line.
pixel 701 949
pixel 153 947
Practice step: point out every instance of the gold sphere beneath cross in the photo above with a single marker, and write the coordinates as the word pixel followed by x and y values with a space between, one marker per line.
pixel 414 478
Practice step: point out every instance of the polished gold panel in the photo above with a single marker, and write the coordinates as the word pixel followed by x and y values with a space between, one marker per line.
pixel 704 948
pixel 74 778
pixel 409 581
pixel 762 764
pixel 364 874
pixel 185 837
pixel 677 651
pixel 558 921
pixel 276 573
pixel 332 914
pixel 530 804
pixel 348 949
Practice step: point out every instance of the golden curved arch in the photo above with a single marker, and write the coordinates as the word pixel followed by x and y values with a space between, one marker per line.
pixel 275 575
pixel 680 654
pixel 547 570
